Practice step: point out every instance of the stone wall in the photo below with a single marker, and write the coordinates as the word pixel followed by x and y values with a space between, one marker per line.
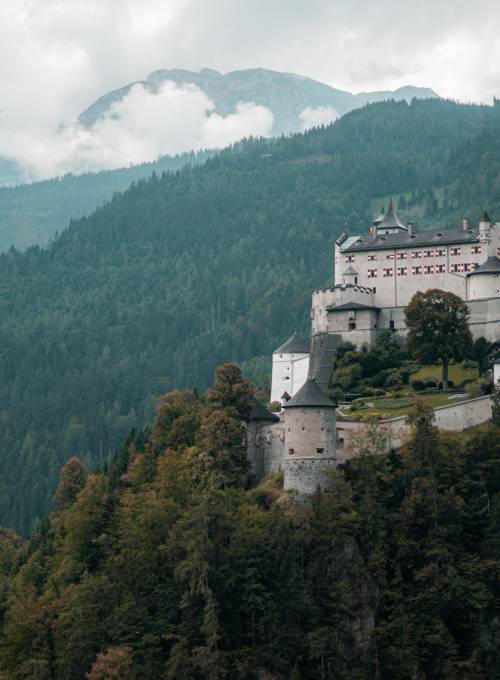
pixel 454 417
pixel 265 447
pixel 306 476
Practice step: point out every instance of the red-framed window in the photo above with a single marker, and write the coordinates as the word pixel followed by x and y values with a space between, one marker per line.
pixel 402 271
pixel 372 273
pixel 388 271
pixel 428 269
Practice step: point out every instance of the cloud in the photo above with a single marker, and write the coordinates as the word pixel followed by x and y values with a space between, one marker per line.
pixel 314 117
pixel 139 128
pixel 58 56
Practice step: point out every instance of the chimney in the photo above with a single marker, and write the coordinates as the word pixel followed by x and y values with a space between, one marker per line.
pixel 484 226
pixel 465 224
pixel 410 228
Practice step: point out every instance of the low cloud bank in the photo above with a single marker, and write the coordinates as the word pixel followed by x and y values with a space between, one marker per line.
pixel 314 117
pixel 139 128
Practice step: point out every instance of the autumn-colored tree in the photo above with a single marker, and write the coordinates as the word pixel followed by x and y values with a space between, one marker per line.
pixel 113 664
pixel 438 329
pixel 231 391
pixel 72 479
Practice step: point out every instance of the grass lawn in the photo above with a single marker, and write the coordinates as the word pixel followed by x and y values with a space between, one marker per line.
pixel 381 407
pixel 457 373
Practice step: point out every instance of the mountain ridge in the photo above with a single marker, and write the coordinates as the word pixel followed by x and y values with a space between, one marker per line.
pixel 285 94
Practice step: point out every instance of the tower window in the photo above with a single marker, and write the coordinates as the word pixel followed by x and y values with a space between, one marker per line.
pixel 352 325
pixel 391 325
pixel 320 450
pixel 291 451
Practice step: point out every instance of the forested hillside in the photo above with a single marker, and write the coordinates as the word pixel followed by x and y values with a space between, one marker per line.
pixel 209 263
pixel 170 564
pixel 32 214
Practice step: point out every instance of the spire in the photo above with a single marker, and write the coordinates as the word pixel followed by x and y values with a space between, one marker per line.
pixel 379 219
pixel 485 217
pixel 391 219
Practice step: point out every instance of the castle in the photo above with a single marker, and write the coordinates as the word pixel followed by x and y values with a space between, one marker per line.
pixel 376 275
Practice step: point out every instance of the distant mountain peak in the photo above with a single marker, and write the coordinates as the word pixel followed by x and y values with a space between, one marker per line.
pixel 286 95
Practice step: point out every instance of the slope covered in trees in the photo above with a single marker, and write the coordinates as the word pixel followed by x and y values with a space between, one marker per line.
pixel 183 271
pixel 170 564
pixel 32 214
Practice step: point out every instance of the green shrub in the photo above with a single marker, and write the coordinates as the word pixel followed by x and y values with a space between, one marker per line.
pixel 418 385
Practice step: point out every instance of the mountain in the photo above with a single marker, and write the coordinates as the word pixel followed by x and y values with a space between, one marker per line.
pixel 33 213
pixel 209 263
pixel 287 95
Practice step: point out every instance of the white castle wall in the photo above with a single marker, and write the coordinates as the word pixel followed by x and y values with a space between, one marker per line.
pixel 483 286
pixel 289 373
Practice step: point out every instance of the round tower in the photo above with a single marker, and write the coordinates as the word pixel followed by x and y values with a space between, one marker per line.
pixel 484 282
pixel 309 440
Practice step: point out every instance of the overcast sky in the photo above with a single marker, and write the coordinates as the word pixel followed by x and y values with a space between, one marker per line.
pixel 58 56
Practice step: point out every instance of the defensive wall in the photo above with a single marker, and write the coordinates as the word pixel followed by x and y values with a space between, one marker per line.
pixel 453 417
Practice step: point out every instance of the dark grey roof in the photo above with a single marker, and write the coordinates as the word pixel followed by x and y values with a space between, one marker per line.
pixel 294 345
pixel 490 266
pixel 428 237
pixel 348 306
pixel 285 395
pixel 259 412
pixel 379 219
pixel 485 217
pixel 310 395
pixel 391 219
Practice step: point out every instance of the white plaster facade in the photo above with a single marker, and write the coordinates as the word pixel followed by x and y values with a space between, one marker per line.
pixel 290 367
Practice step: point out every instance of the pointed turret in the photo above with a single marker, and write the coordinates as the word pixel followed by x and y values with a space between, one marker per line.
pixel 390 223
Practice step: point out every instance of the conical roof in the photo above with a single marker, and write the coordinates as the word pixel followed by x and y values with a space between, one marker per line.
pixel 485 217
pixel 294 345
pixel 380 217
pixel 490 266
pixel 310 394
pixel 259 412
pixel 391 219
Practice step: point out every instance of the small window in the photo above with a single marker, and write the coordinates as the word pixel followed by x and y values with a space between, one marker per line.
pixel 352 325
pixel 291 451
pixel 391 325
pixel 320 450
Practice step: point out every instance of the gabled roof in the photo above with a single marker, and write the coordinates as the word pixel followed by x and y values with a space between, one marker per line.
pixel 294 345
pixel 310 395
pixel 490 266
pixel 285 395
pixel 428 237
pixel 347 306
pixel 350 271
pixel 391 219
pixel 259 412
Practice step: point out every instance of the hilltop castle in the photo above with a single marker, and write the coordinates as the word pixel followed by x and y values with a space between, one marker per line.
pixel 376 275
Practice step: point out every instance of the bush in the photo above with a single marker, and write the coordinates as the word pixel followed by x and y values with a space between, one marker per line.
pixel 418 385
pixel 430 384
pixel 405 376
pixel 393 379
pixel 450 384
pixel 347 376
pixel 379 379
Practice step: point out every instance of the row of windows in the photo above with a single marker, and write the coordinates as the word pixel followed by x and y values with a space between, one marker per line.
pixel 424 269
pixel 419 254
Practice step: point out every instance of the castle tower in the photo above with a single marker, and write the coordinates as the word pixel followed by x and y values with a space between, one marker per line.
pixel 309 439
pixel 290 367
pixel 484 282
